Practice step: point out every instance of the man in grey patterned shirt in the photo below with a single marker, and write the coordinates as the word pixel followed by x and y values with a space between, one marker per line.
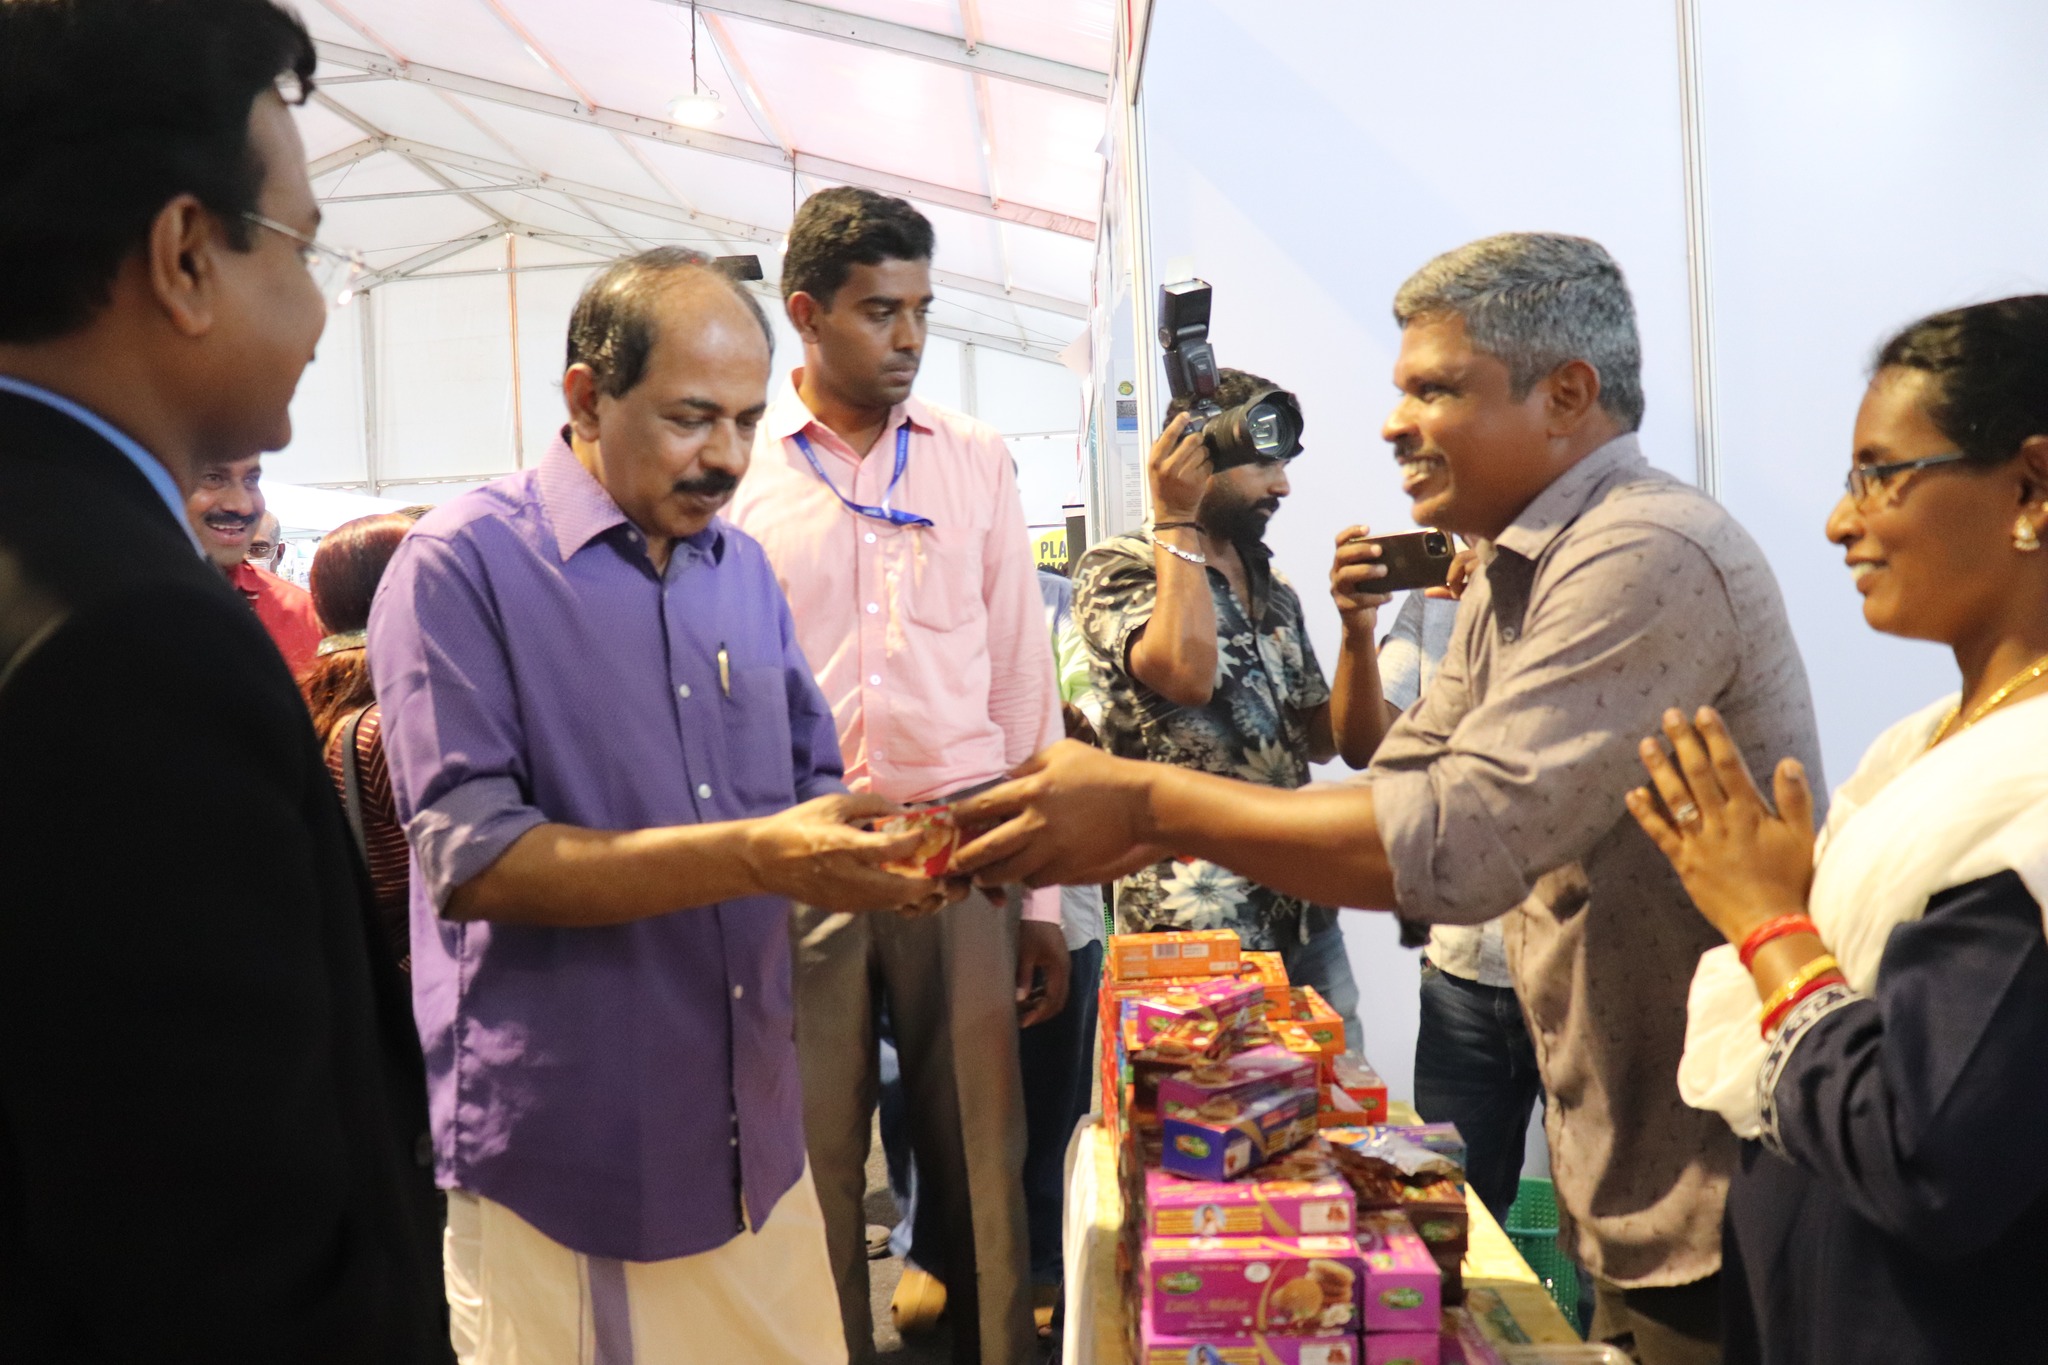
pixel 1607 593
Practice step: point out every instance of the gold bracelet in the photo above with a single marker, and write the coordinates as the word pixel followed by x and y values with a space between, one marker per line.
pixel 1819 966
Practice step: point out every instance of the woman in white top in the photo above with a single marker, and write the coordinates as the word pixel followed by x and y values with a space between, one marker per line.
pixel 1878 1022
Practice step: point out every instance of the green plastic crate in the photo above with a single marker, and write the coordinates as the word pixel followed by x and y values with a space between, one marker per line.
pixel 1532 1227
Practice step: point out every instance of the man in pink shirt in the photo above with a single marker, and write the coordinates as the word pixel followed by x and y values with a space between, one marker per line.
pixel 897 533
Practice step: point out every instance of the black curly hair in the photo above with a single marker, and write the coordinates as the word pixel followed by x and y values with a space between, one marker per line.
pixel 838 229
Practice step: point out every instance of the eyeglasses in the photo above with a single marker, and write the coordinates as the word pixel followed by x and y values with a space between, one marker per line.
pixel 1864 479
pixel 334 270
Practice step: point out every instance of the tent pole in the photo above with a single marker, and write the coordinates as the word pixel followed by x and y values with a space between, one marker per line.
pixel 512 306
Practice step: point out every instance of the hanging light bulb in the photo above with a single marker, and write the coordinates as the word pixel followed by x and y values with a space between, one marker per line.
pixel 699 108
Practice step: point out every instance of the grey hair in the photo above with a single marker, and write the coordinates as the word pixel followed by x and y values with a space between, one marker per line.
pixel 1533 301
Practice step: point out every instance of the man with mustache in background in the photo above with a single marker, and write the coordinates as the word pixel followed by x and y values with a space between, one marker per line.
pixel 225 508
pixel 599 727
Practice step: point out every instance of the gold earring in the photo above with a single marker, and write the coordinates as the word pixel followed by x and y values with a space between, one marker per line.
pixel 2024 537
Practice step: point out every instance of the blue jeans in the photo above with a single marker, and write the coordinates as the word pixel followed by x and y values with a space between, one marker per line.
pixel 1055 1058
pixel 1475 1067
pixel 1322 962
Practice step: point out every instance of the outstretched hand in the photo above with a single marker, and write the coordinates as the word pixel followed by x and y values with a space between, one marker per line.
pixel 1741 863
pixel 1071 816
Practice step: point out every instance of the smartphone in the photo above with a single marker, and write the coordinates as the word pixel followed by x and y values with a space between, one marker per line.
pixel 1420 559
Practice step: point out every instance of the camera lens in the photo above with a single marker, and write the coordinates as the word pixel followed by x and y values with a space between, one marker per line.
pixel 1265 424
pixel 1436 543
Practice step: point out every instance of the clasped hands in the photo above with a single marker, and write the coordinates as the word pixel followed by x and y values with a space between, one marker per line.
pixel 1742 863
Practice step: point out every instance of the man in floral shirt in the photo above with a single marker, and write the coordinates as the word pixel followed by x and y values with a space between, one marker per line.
pixel 1201 660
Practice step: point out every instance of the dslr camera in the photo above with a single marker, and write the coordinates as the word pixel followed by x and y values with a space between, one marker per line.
pixel 1267 426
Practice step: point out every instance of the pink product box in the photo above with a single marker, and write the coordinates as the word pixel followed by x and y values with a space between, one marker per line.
pixel 1222 1090
pixel 1203 1150
pixel 1292 1286
pixel 1192 1021
pixel 1403 1287
pixel 1403 1348
pixel 1159 1348
pixel 1253 1207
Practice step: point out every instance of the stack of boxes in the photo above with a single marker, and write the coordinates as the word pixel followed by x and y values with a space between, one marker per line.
pixel 1245 1137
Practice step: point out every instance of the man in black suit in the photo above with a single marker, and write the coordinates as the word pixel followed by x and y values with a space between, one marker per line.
pixel 212 1108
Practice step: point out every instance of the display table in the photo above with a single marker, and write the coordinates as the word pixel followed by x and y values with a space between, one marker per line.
pixel 1505 1296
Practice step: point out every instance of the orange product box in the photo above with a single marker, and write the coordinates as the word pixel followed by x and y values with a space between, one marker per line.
pixel 1299 1037
pixel 1323 1023
pixel 1271 973
pixel 1352 1077
pixel 1195 952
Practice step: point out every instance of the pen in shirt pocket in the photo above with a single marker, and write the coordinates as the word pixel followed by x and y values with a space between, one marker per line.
pixel 724 671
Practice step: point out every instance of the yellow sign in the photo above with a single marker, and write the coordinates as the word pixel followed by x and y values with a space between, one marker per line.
pixel 1049 549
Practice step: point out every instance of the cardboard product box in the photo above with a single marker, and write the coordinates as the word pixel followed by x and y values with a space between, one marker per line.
pixel 1188 1023
pixel 1258 1348
pixel 1403 1288
pixel 1299 1037
pixel 1270 971
pixel 1440 1217
pixel 1323 1023
pixel 1335 1108
pixel 1402 1348
pixel 1203 1149
pixel 1355 1077
pixel 1293 1286
pixel 1195 952
pixel 1222 1090
pixel 1436 1210
pixel 1256 1206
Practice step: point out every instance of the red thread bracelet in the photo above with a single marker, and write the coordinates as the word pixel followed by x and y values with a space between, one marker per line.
pixel 1780 927
pixel 1831 977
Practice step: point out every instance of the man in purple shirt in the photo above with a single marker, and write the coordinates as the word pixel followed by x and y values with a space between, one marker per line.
pixel 599 724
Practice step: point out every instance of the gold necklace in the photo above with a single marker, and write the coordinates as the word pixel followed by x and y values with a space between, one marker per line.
pixel 2019 680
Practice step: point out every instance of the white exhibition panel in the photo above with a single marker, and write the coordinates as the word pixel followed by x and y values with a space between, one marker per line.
pixel 1305 160
pixel 1869 162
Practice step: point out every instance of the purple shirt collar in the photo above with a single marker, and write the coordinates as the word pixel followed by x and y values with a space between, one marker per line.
pixel 579 509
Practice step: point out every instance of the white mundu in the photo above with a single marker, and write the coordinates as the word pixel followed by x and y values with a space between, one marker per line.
pixel 518 1297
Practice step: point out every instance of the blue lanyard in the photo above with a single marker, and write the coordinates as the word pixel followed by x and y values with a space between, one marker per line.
pixel 885 512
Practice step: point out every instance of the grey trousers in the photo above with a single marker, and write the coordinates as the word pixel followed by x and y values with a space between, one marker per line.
pixel 950 980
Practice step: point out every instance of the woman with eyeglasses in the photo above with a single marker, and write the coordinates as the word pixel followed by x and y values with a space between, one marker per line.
pixel 1878 1021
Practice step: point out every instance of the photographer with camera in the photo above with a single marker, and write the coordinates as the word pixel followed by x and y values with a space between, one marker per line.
pixel 1201 656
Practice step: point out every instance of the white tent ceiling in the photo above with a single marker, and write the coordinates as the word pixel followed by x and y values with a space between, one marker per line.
pixel 455 137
